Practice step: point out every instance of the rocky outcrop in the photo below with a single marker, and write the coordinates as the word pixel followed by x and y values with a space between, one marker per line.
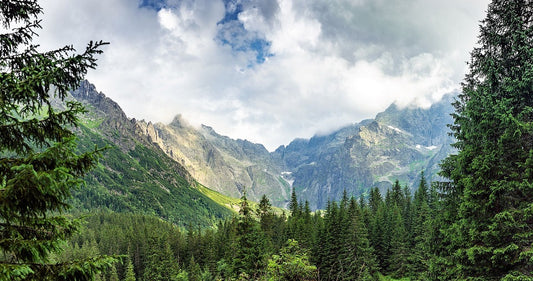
pixel 116 127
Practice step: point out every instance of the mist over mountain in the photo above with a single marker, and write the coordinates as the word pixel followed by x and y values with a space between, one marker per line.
pixel 397 144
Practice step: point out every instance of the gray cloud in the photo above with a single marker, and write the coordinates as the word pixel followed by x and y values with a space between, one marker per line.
pixel 333 63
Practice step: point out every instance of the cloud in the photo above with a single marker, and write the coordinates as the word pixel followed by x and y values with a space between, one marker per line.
pixel 269 71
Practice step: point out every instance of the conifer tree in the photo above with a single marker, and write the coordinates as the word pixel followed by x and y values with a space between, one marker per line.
pixel 421 229
pixel 160 262
pixel 113 276
pixel 361 261
pixel 329 244
pixel 129 274
pixel 38 163
pixel 266 216
pixel 291 264
pixel 492 174
pixel 293 204
pixel 397 260
pixel 250 256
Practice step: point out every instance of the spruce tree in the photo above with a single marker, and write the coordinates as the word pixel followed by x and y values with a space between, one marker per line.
pixel 421 229
pixel 362 260
pixel 266 216
pixel 397 260
pixel 38 163
pixel 293 204
pixel 251 253
pixel 492 174
pixel 291 264
pixel 129 274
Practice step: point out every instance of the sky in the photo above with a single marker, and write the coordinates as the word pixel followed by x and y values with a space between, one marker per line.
pixel 269 71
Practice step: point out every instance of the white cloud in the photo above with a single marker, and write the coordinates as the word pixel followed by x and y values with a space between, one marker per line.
pixel 333 62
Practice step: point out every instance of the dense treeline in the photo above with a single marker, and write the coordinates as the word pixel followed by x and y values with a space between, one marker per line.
pixel 350 240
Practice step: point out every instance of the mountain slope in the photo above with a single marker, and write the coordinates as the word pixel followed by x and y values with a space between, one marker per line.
pixel 397 144
pixel 223 164
pixel 134 175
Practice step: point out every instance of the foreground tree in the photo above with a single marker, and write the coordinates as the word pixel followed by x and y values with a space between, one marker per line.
pixel 492 174
pixel 38 162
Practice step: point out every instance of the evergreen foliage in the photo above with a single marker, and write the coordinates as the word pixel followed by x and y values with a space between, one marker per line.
pixel 39 165
pixel 261 245
pixel 251 247
pixel 477 226
pixel 492 185
pixel 291 264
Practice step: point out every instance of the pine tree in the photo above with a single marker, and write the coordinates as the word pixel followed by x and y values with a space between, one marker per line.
pixel 362 261
pixel 38 163
pixel 397 260
pixel 160 262
pixel 329 244
pixel 113 276
pixel 492 173
pixel 293 204
pixel 250 256
pixel 266 216
pixel 129 275
pixel 397 195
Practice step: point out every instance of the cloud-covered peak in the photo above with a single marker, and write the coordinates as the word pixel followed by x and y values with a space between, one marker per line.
pixel 269 70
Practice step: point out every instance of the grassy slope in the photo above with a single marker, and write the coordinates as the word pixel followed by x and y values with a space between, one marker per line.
pixel 144 181
pixel 230 202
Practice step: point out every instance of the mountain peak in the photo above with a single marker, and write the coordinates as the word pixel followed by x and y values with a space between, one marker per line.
pixel 179 122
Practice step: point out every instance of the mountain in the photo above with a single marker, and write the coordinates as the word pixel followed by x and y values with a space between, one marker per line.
pixel 134 174
pixel 226 165
pixel 397 145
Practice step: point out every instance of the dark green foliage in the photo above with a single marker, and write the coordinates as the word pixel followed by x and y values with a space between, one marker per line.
pixel 251 244
pixel 342 250
pixel 491 234
pixel 339 243
pixel 160 262
pixel 39 165
pixel 293 204
pixel 129 274
pixel 291 264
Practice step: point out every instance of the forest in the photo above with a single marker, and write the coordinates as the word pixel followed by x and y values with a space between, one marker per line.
pixel 353 239
pixel 476 224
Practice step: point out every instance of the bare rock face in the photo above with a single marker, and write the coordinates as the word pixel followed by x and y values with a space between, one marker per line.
pixel 116 127
pixel 148 130
pixel 229 166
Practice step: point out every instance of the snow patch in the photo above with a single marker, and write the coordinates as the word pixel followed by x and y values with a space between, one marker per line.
pixel 396 129
pixel 432 147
